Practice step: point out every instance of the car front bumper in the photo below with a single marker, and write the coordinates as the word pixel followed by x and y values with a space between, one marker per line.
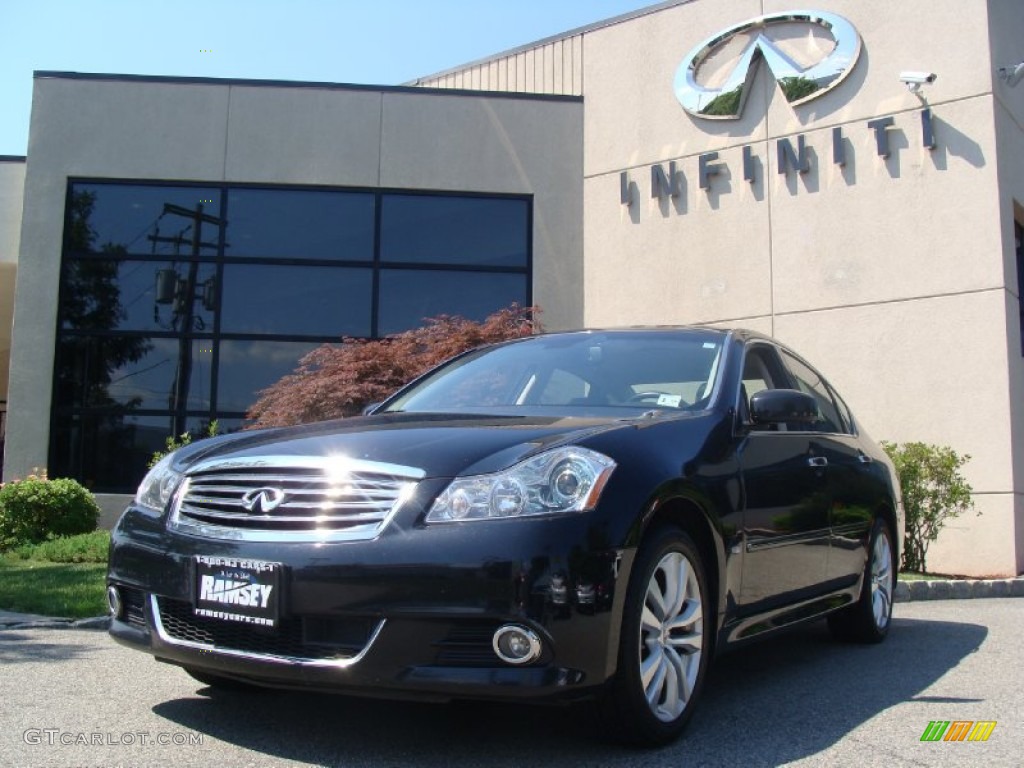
pixel 410 614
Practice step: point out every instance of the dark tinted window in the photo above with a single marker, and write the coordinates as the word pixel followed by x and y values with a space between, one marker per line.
pixel 153 220
pixel 810 382
pixel 246 367
pixel 300 224
pixel 109 449
pixel 472 231
pixel 313 301
pixel 179 303
pixel 134 372
pixel 844 411
pixel 107 295
pixel 409 296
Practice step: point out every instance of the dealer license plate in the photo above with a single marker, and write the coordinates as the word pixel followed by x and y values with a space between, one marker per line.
pixel 236 589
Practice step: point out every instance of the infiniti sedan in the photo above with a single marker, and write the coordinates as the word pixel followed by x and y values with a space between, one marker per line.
pixel 572 516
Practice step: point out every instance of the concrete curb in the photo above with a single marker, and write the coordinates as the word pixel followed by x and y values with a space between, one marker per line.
pixel 11 620
pixel 957 589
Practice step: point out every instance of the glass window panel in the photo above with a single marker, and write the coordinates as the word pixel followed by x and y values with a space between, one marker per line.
pixel 811 383
pixel 471 231
pixel 100 295
pixel 288 300
pixel 133 372
pixel 125 218
pixel 300 224
pixel 246 367
pixel 407 297
pixel 107 452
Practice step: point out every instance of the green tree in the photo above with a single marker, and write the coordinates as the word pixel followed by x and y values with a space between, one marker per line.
pixel 934 492
pixel 174 442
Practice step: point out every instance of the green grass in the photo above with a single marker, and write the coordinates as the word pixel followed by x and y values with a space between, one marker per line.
pixel 76 590
pixel 62 577
pixel 914 576
pixel 84 548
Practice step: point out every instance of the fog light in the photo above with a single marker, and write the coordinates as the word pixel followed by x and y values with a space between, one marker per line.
pixel 114 601
pixel 516 645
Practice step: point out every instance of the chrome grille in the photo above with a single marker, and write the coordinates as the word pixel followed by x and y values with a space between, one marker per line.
pixel 285 498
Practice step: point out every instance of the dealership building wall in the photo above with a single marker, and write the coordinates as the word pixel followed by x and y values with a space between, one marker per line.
pixel 12 181
pixel 897 274
pixel 120 138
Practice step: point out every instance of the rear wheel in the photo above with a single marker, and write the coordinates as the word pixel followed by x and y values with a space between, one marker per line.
pixel 663 652
pixel 867 620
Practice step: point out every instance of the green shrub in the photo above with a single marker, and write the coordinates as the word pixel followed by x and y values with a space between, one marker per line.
pixel 37 509
pixel 83 548
pixel 173 443
pixel 934 492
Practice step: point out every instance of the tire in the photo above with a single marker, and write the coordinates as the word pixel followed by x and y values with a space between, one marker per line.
pixel 219 683
pixel 663 651
pixel 868 620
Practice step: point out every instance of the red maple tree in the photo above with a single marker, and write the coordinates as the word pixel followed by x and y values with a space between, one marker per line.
pixel 335 381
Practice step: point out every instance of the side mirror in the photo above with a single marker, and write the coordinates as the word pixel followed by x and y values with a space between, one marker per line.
pixel 773 406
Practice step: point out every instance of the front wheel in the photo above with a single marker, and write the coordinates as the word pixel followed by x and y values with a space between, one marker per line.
pixel 867 620
pixel 663 652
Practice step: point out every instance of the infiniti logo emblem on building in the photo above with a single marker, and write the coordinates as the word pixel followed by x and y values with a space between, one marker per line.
pixel 262 500
pixel 808 53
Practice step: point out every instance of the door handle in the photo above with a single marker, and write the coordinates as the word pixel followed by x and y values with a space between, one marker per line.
pixel 817 461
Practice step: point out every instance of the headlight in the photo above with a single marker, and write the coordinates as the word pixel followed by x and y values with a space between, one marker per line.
pixel 562 480
pixel 157 486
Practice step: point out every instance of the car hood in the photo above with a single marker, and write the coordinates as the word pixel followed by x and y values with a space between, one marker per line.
pixel 442 445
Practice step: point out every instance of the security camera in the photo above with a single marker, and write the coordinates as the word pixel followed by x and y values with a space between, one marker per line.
pixel 1012 75
pixel 914 80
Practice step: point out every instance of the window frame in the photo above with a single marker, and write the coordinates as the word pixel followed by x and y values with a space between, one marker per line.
pixel 217 258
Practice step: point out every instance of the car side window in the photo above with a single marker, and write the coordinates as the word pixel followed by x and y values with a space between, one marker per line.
pixel 761 370
pixel 849 425
pixel 810 382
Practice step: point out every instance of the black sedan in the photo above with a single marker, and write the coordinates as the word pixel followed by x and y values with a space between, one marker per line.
pixel 587 515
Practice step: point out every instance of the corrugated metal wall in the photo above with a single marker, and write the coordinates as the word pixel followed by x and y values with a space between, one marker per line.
pixel 555 67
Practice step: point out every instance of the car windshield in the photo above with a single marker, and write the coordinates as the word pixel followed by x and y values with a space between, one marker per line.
pixel 568 373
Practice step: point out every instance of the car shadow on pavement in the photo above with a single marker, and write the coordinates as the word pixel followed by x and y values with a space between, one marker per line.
pixel 777 701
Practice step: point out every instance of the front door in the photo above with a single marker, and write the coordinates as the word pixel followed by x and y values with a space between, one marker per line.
pixel 786 500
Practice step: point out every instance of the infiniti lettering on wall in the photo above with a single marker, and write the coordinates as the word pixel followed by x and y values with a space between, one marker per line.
pixel 792 154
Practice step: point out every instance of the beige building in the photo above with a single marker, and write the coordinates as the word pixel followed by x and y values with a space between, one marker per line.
pixel 848 179
pixel 897 274
pixel 12 181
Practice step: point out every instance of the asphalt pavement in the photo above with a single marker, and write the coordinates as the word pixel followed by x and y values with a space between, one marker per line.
pixel 72 697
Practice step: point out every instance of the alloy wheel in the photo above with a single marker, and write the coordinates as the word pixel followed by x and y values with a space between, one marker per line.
pixel 881 579
pixel 671 636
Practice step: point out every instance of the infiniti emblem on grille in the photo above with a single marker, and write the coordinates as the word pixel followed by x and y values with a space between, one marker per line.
pixel 262 500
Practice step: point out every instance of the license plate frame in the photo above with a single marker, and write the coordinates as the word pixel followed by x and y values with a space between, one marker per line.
pixel 237 589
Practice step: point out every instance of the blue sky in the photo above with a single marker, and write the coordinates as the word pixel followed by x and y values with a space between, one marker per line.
pixel 385 42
